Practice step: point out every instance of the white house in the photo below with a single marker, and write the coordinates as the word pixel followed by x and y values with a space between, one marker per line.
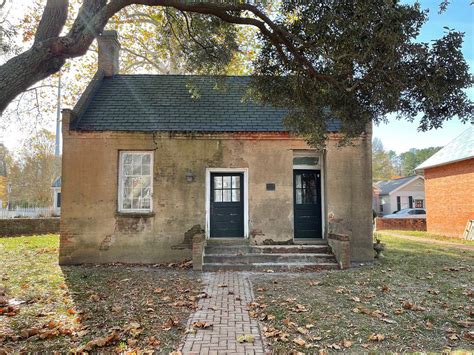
pixel 56 187
pixel 397 194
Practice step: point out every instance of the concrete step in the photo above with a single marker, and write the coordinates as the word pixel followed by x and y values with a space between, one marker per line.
pixel 265 267
pixel 257 258
pixel 265 249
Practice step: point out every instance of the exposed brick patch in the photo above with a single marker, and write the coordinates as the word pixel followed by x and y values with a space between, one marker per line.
pixel 226 309
pixel 341 248
pixel 107 242
pixel 404 224
pixel 132 225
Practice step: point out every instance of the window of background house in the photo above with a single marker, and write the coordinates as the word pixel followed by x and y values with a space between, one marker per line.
pixel 58 200
pixel 419 204
pixel 135 181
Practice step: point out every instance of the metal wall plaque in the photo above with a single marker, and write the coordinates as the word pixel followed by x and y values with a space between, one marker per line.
pixel 270 186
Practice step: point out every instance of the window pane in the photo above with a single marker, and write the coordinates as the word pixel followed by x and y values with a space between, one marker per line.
pixel 136 203
pixel 235 195
pixel 236 181
pixel 127 203
pixel 127 192
pixel 218 195
pixel 226 181
pixel 145 181
pixel 146 203
pixel 217 182
pixel 137 168
pixel 136 192
pixel 146 159
pixel 146 192
pixel 226 196
pixel 299 196
pixel 127 158
pixel 146 169
pixel 298 181
pixel 127 169
pixel 128 182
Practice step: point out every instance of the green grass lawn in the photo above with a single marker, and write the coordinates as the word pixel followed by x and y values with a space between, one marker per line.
pixel 418 298
pixel 427 235
pixel 115 308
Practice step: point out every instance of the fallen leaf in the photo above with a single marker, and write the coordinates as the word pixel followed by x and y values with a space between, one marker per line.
pixel 94 298
pixel 302 330
pixel 454 337
pixel 202 325
pixel 246 338
pixel 376 337
pixel 346 343
pixel 299 341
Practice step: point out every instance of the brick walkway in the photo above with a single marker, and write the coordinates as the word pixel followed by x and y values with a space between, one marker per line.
pixel 226 308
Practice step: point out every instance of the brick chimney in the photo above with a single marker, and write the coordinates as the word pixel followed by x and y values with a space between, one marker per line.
pixel 109 52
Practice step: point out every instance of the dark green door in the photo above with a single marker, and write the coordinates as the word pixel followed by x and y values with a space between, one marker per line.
pixel 307 203
pixel 227 205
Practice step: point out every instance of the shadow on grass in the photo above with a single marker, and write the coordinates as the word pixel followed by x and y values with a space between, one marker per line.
pixel 146 308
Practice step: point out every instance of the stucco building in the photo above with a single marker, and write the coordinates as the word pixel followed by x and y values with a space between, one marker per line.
pixel 147 166
pixel 449 186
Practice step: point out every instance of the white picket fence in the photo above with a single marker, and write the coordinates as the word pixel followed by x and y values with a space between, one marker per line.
pixel 26 212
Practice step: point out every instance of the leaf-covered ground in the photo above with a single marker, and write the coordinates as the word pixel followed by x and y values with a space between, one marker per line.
pixel 418 298
pixel 45 307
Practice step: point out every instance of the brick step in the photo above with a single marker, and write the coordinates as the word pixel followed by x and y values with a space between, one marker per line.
pixel 256 258
pixel 264 267
pixel 265 249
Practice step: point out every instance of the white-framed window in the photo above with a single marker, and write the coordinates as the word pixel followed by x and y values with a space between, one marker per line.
pixel 135 181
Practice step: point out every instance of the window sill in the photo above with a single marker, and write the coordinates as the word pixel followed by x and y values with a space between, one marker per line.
pixel 135 214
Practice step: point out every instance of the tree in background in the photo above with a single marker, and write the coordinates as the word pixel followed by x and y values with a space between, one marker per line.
pixel 33 170
pixel 382 168
pixel 356 61
pixel 387 165
pixel 414 157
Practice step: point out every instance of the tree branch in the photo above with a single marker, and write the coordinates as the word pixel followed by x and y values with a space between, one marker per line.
pixel 53 20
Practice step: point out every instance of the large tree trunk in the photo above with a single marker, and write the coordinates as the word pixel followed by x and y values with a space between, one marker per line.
pixel 26 69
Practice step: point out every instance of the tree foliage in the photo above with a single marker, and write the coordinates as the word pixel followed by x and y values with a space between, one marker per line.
pixel 358 61
pixel 412 158
pixel 354 61
pixel 33 170
pixel 387 165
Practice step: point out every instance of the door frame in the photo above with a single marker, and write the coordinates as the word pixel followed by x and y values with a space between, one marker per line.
pixel 243 171
pixel 321 166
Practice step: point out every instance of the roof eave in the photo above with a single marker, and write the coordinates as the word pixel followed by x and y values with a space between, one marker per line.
pixel 405 184
pixel 421 167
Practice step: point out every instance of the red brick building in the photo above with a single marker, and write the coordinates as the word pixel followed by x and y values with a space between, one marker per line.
pixel 449 186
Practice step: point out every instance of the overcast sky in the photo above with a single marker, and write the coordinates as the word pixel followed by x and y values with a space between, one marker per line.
pixel 396 135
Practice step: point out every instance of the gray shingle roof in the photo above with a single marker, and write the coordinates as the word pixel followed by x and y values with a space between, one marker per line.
pixel 148 103
pixel 460 148
pixel 386 187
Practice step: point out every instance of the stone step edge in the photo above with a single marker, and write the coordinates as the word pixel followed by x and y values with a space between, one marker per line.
pixel 262 267
pixel 320 255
